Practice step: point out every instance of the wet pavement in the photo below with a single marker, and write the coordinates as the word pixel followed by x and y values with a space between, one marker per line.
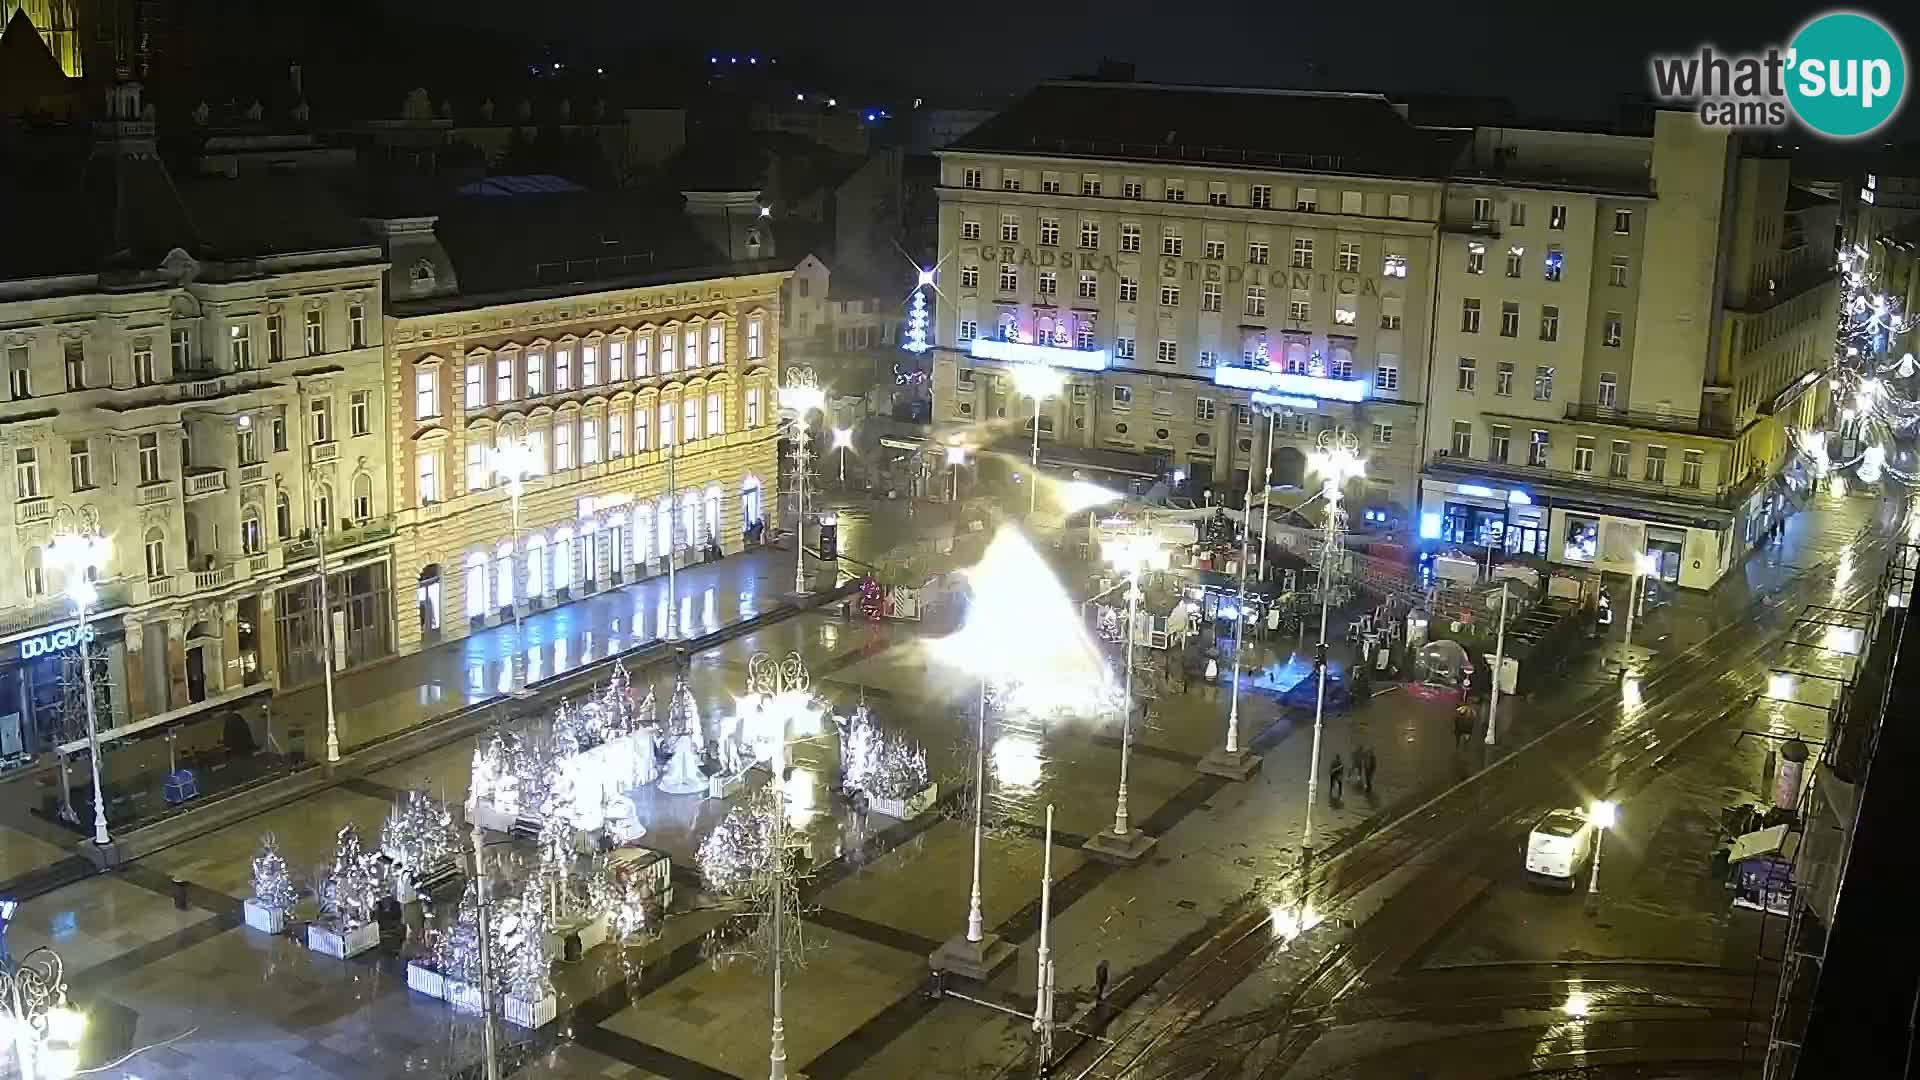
pixel 264 1006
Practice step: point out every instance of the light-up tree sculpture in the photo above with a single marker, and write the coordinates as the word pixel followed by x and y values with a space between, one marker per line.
pixel 1131 554
pixel 1038 382
pixel 515 461
pixel 917 342
pixel 801 395
pixel 1336 461
pixel 79 558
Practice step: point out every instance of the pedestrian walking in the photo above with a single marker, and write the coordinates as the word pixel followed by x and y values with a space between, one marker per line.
pixel 1337 773
pixel 1368 763
pixel 1100 981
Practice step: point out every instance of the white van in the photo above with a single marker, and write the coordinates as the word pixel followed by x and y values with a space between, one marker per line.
pixel 1559 847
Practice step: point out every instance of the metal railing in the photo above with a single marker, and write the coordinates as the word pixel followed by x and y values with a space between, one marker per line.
pixel 206 482
pixel 52 610
pixel 1684 423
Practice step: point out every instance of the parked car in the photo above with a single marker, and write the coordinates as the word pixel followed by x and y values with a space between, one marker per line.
pixel 1559 847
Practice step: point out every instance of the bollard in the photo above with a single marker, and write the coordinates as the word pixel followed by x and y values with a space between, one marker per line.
pixel 179 894
pixel 570 950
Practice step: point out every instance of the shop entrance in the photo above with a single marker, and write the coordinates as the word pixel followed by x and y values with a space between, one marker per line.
pixel 427 595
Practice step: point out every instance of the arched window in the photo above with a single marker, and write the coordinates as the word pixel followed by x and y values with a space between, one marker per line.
pixel 751 501
pixel 36 572
pixel 476 584
pixel 282 516
pixel 642 533
pixel 156 544
pixel 362 497
pixel 503 576
pixel 690 519
pixel 536 565
pixel 322 508
pixel 422 275
pixel 252 533
pixel 562 558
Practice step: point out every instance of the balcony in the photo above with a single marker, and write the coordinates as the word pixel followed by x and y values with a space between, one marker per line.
pixel 371 531
pixel 1264 378
pixel 1590 482
pixel 253 474
pixel 33 511
pixel 321 453
pixel 56 609
pixel 157 491
pixel 1682 423
pixel 201 482
pixel 1471 227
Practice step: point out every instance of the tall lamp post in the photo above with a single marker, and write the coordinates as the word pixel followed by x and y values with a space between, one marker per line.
pixel 46 1030
pixel 1266 487
pixel 800 396
pixel 1336 461
pixel 1499 665
pixel 514 461
pixel 1644 566
pixel 1037 381
pixel 843 441
pixel 956 457
pixel 1130 554
pixel 1233 762
pixel 1603 814
pixel 779 690
pixel 79 558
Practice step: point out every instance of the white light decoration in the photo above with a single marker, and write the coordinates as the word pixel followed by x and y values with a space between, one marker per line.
pixel 917 342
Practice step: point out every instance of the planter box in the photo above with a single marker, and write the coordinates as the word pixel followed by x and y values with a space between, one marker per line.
pixel 323 938
pixel 426 980
pixel 532 1014
pixel 725 787
pixel 593 932
pixel 265 917
pixel 464 996
pixel 908 808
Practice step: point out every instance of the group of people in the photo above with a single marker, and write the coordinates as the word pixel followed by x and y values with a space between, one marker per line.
pixel 1365 762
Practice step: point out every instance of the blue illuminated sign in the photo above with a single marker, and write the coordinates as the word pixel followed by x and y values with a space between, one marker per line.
pixel 1280 382
pixel 55 641
pixel 1019 352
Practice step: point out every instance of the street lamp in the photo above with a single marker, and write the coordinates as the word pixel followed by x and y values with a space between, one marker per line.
pixel 1602 814
pixel 46 1030
pixel 1336 461
pixel 1499 665
pixel 800 396
pixel 956 457
pixel 1037 381
pixel 79 558
pixel 843 441
pixel 515 461
pixel 1130 554
pixel 1266 487
pixel 1644 566
pixel 779 692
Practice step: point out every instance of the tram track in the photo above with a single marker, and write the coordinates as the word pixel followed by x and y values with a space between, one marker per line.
pixel 1697 682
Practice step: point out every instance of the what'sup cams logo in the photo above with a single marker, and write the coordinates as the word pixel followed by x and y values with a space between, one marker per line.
pixel 1843 76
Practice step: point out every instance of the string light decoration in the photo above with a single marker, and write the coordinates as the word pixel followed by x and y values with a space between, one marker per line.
pixel 272 878
pixel 1876 417
pixel 355 883
pixel 420 834
pixel 916 342
pixel 881 763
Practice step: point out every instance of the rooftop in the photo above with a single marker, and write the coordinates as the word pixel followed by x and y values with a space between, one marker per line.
pixel 1360 134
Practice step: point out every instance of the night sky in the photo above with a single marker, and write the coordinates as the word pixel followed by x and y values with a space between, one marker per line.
pixel 1551 59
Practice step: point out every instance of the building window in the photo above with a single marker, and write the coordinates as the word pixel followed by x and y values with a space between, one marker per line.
pixel 1216 194
pixel 1083 335
pixel 1260 197
pixel 320 416
pixel 359 412
pixel 282 516
pixel 1617 459
pixel 1123 397
pixel 240 347
pixel 1169 296
pixel 426 471
pixel 426 394
pixel 276 338
pixel 476 392
pixel 1537 448
pixel 1617 270
pixel 143 373
pixel 969 329
pixel 1349 258
pixel 1123 347
pixel 1171 242
pixel 1517 213
pixel 1557 216
pixel 666 424
pixel 316 332
pixel 1169 352
pixel 1609 389
pixel 80 464
pixel 1610 330
pixel 536 373
pixel 1383 434
pixel 1258 252
pixel 1500 438
pixel 1256 301
pixel 1390 312
pixel 1476 258
pixel 1089 286
pixel 1462 439
pixel 1050 183
pixel 1393 264
pixel 1010 181
pixel 1583 454
pixel 1470 316
pixel 362 497
pixel 1049 282
pixel 1516 257
pixel 1176 191
pixel 1210 294
pixel 1386 377
pixel 26 474
pixel 969 230
pixel 1049 232
pixel 357 325
pixel 477 478
pixel 1306 200
pixel 1009 229
pixel 1303 253
pixel 562 445
pixel 970 178
pixel 1300 310
pixel 1543 383
pixel 1009 278
pixel 1503 379
pixel 156 552
pixel 1465 374
pixel 1203 410
pixel 1556 263
pixel 563 366
pixel 1482 210
pixel 970 277
pixel 1583 538
pixel 716 415
pixel 180 350
pixel 1656 464
pixel 589 441
pixel 1129 290
pixel 1692 464
pixel 1090 185
pixel 1549 323
pixel 643 414
pixel 1133 188
pixel 1509 319
pixel 1129 237
pixel 1346 309
pixel 1623 222
pixel 1214 249
pixel 280 429
pixel 756 344
pixel 616 434
pixel 76 360
pixel 590 364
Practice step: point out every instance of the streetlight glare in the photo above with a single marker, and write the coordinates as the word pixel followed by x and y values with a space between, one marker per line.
pixel 1077 495
pixel 1038 380
pixel 1603 813
pixel 956 455
pixel 803 399
pixel 842 438
pixel 1648 564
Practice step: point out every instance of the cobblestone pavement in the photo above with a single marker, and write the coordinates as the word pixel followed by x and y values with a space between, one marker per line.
pixel 231 1002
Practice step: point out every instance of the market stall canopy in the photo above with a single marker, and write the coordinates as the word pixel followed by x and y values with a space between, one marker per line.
pixel 1755 844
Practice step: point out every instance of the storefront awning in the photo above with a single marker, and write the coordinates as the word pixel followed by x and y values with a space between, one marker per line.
pixel 172 719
